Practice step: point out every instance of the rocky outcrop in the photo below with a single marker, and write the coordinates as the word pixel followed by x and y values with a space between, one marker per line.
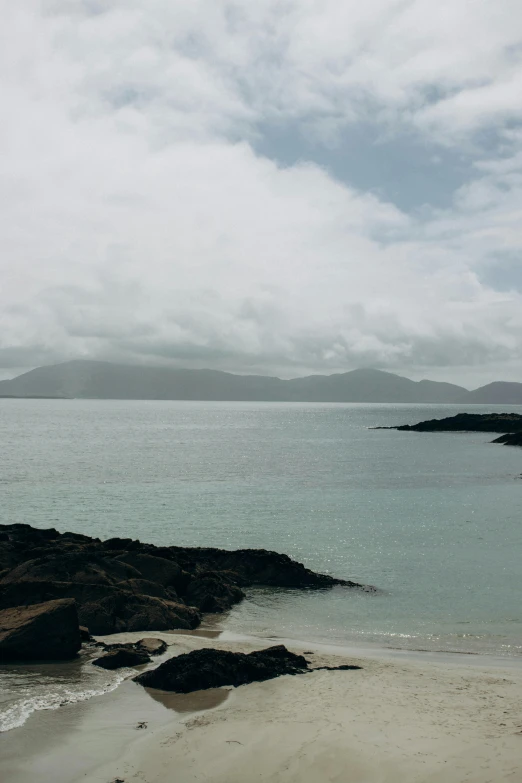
pixel 510 439
pixel 45 631
pixel 120 658
pixel 208 668
pixel 126 585
pixel 466 422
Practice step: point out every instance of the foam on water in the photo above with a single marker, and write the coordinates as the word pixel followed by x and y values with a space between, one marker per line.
pixel 25 689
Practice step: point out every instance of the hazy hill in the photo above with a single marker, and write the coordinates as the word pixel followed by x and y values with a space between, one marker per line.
pixel 499 392
pixel 104 380
pixel 370 386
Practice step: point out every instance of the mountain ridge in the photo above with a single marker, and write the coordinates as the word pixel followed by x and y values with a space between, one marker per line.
pixel 90 379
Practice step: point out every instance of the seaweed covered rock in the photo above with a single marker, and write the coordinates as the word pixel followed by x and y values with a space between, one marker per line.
pixel 209 668
pixel 120 658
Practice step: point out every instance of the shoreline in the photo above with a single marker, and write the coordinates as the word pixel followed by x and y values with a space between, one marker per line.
pixel 376 652
pixel 406 698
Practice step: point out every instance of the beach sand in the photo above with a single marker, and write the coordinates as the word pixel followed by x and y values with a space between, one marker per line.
pixel 401 719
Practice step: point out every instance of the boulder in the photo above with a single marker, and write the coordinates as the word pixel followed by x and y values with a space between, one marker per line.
pixel 152 646
pixel 121 657
pixel 209 668
pixel 47 631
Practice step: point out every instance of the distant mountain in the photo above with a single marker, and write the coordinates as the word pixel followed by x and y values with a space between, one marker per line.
pixel 104 380
pixel 499 393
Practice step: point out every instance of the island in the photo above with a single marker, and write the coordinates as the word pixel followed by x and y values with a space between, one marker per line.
pixel 510 424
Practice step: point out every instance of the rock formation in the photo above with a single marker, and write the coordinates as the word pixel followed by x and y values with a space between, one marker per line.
pixel 120 657
pixel 126 585
pixel 466 422
pixel 209 668
pixel 510 439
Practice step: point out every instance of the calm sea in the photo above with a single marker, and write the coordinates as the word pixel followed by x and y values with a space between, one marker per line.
pixel 434 520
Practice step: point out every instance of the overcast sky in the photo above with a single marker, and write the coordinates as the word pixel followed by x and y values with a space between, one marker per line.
pixel 279 186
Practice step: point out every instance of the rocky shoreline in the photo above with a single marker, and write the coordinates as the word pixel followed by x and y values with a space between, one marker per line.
pixel 122 585
pixel 510 424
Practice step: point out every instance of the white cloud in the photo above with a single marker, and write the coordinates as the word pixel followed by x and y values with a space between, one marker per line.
pixel 139 223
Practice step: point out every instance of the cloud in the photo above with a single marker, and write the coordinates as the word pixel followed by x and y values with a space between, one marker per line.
pixel 140 224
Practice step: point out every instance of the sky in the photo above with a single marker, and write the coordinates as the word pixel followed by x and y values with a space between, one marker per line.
pixel 279 187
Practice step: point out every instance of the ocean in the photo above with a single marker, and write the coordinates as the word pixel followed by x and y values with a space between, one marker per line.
pixel 432 519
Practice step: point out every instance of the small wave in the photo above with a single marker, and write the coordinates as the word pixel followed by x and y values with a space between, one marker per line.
pixel 17 714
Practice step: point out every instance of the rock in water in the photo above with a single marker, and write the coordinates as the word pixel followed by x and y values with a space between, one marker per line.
pixel 117 659
pixel 124 585
pixel 208 668
pixel 466 422
pixel 510 439
pixel 48 631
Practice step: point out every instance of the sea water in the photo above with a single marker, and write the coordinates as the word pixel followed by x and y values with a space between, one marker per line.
pixel 432 519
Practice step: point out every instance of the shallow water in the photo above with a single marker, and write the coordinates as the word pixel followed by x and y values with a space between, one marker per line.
pixel 433 519
pixel 28 688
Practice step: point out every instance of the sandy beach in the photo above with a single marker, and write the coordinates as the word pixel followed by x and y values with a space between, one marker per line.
pixel 406 718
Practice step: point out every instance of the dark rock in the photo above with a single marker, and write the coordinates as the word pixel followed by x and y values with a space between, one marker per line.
pixel 510 439
pixel 211 592
pixel 117 659
pixel 79 567
pixel 467 422
pixel 155 569
pixel 250 567
pixel 209 668
pixel 115 544
pixel 152 646
pixel 47 631
pixel 125 585
pixel 122 611
pixel 145 587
